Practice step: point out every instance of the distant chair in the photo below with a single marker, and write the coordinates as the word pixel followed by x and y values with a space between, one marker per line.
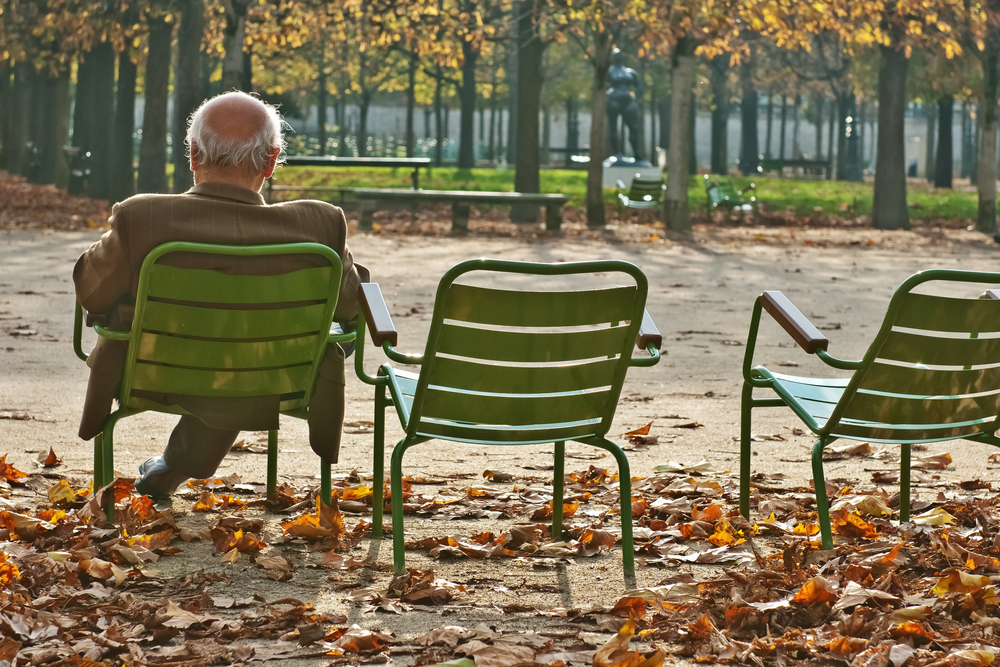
pixel 643 193
pixel 722 194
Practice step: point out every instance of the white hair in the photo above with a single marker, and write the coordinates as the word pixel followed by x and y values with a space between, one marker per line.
pixel 252 153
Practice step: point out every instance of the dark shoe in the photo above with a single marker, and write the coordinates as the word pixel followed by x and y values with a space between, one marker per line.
pixel 157 481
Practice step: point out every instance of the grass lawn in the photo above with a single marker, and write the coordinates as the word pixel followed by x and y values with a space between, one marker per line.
pixel 800 197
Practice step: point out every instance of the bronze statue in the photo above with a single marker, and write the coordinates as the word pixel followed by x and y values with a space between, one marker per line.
pixel 622 102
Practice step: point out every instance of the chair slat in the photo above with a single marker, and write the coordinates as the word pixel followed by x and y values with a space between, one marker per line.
pixel 193 353
pixel 513 410
pixel 483 305
pixel 190 382
pixel 942 313
pixel 471 376
pixel 532 347
pixel 927 410
pixel 232 324
pixel 934 351
pixel 897 434
pixel 825 390
pixel 908 380
pixel 478 435
pixel 171 282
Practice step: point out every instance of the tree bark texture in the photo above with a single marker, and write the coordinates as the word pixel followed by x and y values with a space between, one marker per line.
pixel 18 123
pixel 598 129
pixel 966 164
pixel 986 184
pixel 720 113
pixel 5 83
pixel 546 155
pixel 83 114
pixel 782 127
pixel 750 147
pixel 411 103
pixel 438 134
pixel 364 104
pixel 50 128
pixel 99 185
pixel 945 158
pixel 234 34
pixel 187 86
pixel 843 100
pixel 512 108
pixel 889 209
pixel 467 99
pixel 830 173
pixel 122 181
pixel 796 150
pixel 530 78
pixel 321 104
pixel 931 110
pixel 853 170
pixel 153 149
pixel 818 102
pixel 676 212
pixel 666 104
pixel 770 126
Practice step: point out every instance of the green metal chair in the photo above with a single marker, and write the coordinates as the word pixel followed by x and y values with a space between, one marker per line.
pixel 722 194
pixel 643 193
pixel 508 367
pixel 209 333
pixel 932 374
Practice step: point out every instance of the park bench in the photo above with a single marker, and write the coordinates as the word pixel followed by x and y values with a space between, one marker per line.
pixel 370 199
pixel 808 167
pixel 414 163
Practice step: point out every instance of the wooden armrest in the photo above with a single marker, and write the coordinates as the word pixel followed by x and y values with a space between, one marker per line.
pixel 794 322
pixel 94 318
pixel 648 333
pixel 376 314
pixel 992 294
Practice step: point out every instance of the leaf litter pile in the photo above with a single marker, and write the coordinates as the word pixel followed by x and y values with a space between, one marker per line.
pixel 79 589
pixel 26 205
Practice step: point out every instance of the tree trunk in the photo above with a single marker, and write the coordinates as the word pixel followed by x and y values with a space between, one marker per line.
pixel 818 101
pixel 931 111
pixel 438 135
pixel 986 184
pixel 103 100
pixel 830 173
pixel 512 106
pixel 692 125
pixel 341 113
pixel 411 103
pixel 796 151
pixel 467 99
pixel 51 102
pixel 572 130
pixel 862 112
pixel 491 154
pixel 889 209
pixel 770 125
pixel 234 34
pixel 153 149
pixel 653 108
pixel 482 124
pixel 974 148
pixel 853 143
pixel 843 100
pixel 782 126
pixel 122 180
pixel 5 83
pixel 321 104
pixel 19 120
pixel 246 78
pixel 187 86
pixel 666 104
pixel 546 156
pixel 676 213
pixel 945 159
pixel 749 159
pixel 500 147
pixel 84 123
pixel 598 129
pixel 966 164
pixel 720 113
pixel 530 78
pixel 364 104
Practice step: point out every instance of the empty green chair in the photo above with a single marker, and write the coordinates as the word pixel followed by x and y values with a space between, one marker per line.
pixel 720 193
pixel 208 332
pixel 513 367
pixel 932 374
pixel 643 193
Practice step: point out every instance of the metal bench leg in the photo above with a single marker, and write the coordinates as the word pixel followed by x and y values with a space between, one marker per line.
pixel 460 217
pixel 553 217
pixel 367 209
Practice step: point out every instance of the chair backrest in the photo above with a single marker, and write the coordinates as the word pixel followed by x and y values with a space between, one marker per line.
pixel 512 366
pixel 247 321
pixel 646 189
pixel 933 371
pixel 713 192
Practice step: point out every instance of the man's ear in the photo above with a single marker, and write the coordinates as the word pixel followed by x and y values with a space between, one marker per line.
pixel 195 157
pixel 271 162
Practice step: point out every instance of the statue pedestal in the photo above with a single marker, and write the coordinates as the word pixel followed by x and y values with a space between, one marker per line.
pixel 625 169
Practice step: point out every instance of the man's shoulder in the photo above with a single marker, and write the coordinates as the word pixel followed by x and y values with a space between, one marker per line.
pixel 146 200
pixel 313 206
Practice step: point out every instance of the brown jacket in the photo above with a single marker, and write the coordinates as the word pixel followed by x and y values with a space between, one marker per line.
pixel 107 278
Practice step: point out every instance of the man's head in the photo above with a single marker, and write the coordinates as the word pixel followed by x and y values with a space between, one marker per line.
pixel 234 138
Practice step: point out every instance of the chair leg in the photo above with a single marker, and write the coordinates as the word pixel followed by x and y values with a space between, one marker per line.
pixel 107 463
pixel 822 504
pixel 625 487
pixel 904 484
pixel 378 464
pixel 272 464
pixel 99 461
pixel 396 486
pixel 325 485
pixel 558 480
pixel 746 409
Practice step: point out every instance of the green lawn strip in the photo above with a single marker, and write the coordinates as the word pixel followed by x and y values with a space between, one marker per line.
pixel 801 197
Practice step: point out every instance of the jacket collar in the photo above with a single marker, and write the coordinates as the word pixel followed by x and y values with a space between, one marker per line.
pixel 226 191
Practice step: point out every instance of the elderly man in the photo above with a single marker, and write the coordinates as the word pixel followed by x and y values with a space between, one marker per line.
pixel 234 141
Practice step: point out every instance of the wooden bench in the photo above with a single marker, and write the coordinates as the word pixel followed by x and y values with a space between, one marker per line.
pixel 370 199
pixel 808 167
pixel 414 163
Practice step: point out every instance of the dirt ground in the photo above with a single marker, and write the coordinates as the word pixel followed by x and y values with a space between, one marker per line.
pixel 702 288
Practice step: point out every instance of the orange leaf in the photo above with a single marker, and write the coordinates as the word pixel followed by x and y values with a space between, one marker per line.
pixel 815 590
pixel 8 572
pixel 51 461
pixel 711 513
pixel 206 503
pixel 640 431
pixel 851 524
pixel 631 607
pixel 9 472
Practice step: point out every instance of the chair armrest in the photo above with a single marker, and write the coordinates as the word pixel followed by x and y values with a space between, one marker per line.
pixel 648 333
pixel 794 322
pixel 991 294
pixel 377 316
pixel 94 318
